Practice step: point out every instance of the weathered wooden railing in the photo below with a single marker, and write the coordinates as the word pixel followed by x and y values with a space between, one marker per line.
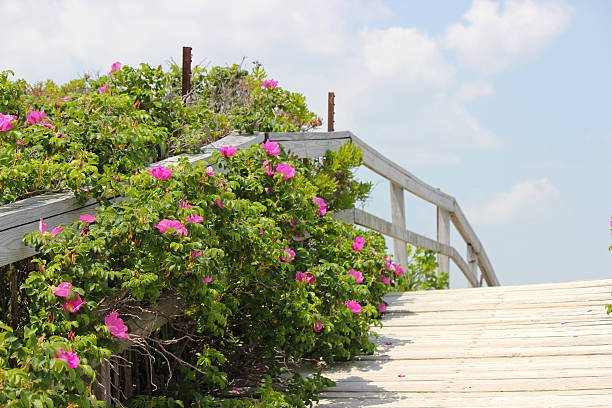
pixel 315 144
pixel 20 218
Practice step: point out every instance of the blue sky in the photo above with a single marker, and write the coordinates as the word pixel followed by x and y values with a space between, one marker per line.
pixel 503 104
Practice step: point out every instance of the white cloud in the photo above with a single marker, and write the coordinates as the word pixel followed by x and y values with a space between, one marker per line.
pixel 490 40
pixel 405 54
pixel 474 90
pixel 526 199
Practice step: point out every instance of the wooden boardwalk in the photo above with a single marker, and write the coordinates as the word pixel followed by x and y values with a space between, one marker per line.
pixel 547 345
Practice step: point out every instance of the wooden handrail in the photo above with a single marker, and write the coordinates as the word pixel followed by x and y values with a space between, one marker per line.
pixel 20 218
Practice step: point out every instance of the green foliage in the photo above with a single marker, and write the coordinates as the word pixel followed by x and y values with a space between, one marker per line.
pixel 97 130
pixel 422 272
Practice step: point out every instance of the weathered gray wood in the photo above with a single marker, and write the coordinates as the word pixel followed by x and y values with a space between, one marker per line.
pixel 398 217
pixel 498 354
pixel 20 218
pixel 394 231
pixel 443 235
pixel 472 260
pixel 311 144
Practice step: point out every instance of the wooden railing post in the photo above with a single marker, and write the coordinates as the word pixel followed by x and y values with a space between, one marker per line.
pixel 472 260
pixel 398 217
pixel 443 238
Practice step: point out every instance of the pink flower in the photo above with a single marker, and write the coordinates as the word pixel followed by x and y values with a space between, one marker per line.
pixel 63 289
pixel 292 222
pixel 174 225
pixel 185 204
pixel 401 375
pixel 289 258
pixel 305 277
pixel 385 279
pixel 322 205
pixel 207 279
pixel 161 172
pixel 5 122
pixel 268 168
pixel 194 218
pixel 228 151
pixel 358 244
pixel 285 169
pixel 70 357
pixel 61 135
pixel 269 84
pixel 271 148
pixel 398 270
pixel 46 124
pixel 354 306
pixel 357 274
pixel 318 326
pixel 219 203
pixel 103 89
pixel 35 117
pixel 116 326
pixel 73 305
pixel 42 227
pixel 209 171
pixel 195 254
pixel 20 143
pixel 382 307
pixel 71 336
pixel 114 68
pixel 87 218
pixel 65 98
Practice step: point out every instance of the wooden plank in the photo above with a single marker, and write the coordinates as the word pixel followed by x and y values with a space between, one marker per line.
pixel 443 236
pixel 20 218
pixel 375 223
pixel 398 217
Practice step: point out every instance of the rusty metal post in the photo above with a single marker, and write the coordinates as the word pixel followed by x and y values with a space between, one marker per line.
pixel 330 112
pixel 186 71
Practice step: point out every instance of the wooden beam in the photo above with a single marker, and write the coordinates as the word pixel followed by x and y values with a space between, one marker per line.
pixel 443 228
pixel 398 217
pixel 391 230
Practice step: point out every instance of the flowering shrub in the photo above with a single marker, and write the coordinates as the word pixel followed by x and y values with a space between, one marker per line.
pixel 259 273
pixel 87 134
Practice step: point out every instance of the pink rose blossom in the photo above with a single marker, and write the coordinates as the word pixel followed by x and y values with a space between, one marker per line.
pixel 357 274
pixel 322 205
pixel 269 84
pixel 73 306
pixel 207 279
pixel 285 169
pixel 318 326
pixel 35 117
pixel 268 168
pixel 114 68
pixel 209 171
pixel 56 231
pixel 20 143
pixel 87 218
pixel 63 289
pixel 6 122
pixel 46 124
pixel 164 224
pixel 185 204
pixel 358 244
pixel 194 218
pixel 290 257
pixel 385 279
pixel 195 254
pixel 219 203
pixel 42 227
pixel 271 148
pixel 354 306
pixel 228 151
pixel 70 357
pixel 305 277
pixel 161 173
pixel 398 270
pixel 65 98
pixel 382 307
pixel 116 326
pixel 102 89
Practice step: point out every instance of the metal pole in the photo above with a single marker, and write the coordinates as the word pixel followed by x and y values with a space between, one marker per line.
pixel 330 112
pixel 186 71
